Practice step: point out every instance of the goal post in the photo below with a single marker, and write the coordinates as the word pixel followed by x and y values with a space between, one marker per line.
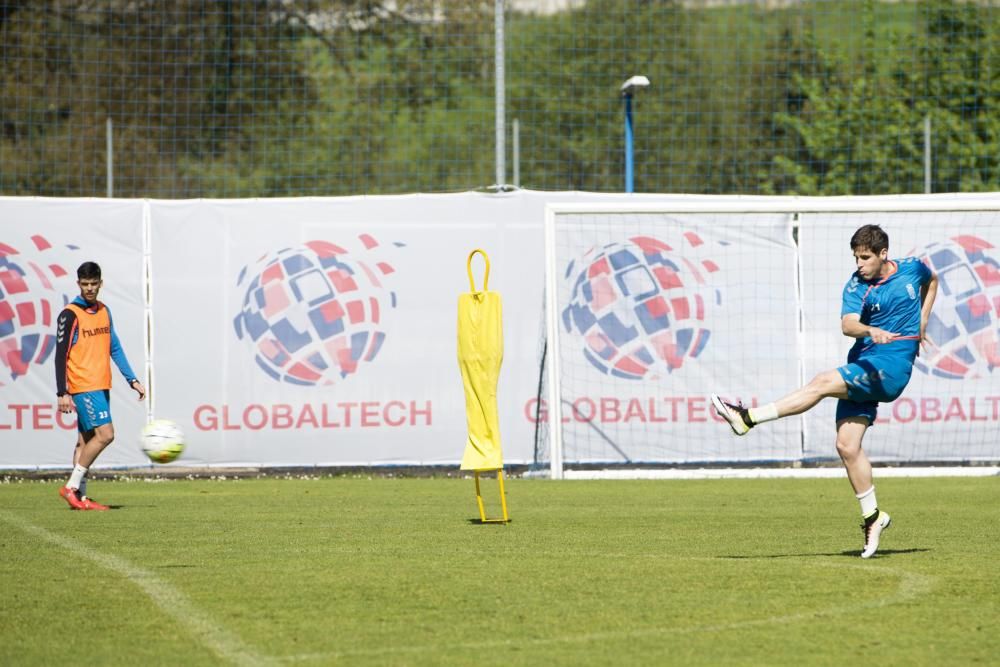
pixel 651 307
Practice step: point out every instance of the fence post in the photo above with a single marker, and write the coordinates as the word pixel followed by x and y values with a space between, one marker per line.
pixel 927 154
pixel 498 56
pixel 109 148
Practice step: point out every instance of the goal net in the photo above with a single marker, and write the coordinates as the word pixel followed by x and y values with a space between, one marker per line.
pixel 650 309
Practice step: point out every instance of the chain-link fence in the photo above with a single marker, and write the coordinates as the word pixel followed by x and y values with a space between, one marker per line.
pixel 240 98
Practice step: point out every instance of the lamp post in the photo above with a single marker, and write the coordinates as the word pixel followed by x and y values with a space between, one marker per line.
pixel 628 90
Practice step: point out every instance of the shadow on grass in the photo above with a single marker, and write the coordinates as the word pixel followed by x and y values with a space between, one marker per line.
pixel 124 507
pixel 854 553
pixel 477 522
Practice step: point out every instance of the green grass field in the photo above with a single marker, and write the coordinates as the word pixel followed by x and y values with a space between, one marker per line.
pixel 389 571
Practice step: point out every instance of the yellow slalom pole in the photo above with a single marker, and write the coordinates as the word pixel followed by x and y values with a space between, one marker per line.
pixel 480 354
pixel 503 499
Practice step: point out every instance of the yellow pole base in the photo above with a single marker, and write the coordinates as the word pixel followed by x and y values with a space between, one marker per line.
pixel 503 498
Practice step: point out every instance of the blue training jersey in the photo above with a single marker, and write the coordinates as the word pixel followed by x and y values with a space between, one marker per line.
pixel 892 304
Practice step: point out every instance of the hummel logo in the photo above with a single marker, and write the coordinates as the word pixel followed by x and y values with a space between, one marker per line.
pixel 96 331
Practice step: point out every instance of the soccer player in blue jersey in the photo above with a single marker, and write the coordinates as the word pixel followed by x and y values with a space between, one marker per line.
pixel 86 343
pixel 886 304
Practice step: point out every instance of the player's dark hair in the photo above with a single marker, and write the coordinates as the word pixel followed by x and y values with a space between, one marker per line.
pixel 871 237
pixel 88 271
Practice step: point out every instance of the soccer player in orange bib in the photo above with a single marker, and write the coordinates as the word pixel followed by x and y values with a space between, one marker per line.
pixel 86 343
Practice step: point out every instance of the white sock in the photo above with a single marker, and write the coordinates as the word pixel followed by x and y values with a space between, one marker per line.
pixel 74 479
pixel 82 491
pixel 868 503
pixel 764 413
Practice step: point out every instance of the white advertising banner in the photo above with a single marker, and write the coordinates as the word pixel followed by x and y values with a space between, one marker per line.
pixel 323 331
pixel 950 410
pixel 659 310
pixel 42 242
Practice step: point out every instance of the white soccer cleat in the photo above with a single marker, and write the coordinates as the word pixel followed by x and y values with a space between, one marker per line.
pixel 872 533
pixel 736 415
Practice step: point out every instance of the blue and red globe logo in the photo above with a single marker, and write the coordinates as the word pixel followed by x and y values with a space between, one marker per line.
pixel 964 325
pixel 312 314
pixel 642 306
pixel 32 293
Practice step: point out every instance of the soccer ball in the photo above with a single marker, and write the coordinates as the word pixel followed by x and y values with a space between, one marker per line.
pixel 162 441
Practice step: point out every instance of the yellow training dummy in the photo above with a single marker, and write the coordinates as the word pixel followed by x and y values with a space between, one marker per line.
pixel 480 353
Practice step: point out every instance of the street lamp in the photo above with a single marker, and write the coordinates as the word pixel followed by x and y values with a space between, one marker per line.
pixel 629 88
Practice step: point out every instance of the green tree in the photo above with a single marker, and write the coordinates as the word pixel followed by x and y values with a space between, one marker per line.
pixel 958 86
pixel 861 126
pixel 178 79
pixel 564 76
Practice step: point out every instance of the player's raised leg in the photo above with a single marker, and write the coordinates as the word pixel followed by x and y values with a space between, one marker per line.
pixel 828 384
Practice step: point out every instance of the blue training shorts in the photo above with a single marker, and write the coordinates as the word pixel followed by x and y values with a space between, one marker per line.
pixel 93 409
pixel 872 381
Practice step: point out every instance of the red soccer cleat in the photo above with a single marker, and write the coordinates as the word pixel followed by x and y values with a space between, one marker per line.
pixel 69 495
pixel 89 504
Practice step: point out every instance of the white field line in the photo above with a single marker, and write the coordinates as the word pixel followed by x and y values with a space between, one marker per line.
pixel 911 586
pixel 168 599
